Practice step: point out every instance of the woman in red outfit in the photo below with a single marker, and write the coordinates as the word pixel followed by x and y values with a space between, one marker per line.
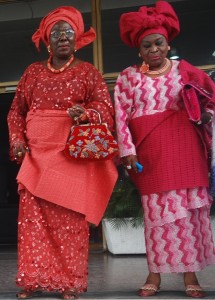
pixel 157 126
pixel 58 197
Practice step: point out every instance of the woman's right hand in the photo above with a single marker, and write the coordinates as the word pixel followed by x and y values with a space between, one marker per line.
pixel 77 113
pixel 19 150
pixel 129 162
pixel 206 118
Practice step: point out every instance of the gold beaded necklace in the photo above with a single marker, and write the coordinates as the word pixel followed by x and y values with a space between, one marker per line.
pixel 62 68
pixel 144 68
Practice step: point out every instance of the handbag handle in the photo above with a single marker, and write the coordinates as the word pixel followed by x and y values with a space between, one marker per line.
pixel 100 120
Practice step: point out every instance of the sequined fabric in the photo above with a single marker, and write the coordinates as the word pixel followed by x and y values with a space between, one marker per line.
pixel 39 88
pixel 52 246
pixel 52 239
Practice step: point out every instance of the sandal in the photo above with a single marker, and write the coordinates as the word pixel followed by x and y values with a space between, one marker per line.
pixel 194 291
pixel 149 289
pixel 28 294
pixel 70 294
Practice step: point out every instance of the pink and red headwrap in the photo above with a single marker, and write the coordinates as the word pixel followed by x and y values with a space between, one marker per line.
pixel 162 19
pixel 70 15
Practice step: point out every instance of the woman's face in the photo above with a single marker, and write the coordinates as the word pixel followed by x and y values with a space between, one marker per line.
pixel 62 40
pixel 153 50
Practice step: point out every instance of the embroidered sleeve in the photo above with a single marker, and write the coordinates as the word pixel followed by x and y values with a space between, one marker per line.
pixel 123 101
pixel 16 118
pixel 98 98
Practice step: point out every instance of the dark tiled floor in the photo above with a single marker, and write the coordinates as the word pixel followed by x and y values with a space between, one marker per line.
pixel 110 277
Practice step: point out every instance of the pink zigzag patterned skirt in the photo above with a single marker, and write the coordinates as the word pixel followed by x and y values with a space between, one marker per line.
pixel 178 231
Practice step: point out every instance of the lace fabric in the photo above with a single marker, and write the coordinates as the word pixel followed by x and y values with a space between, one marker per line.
pixel 178 232
pixel 52 240
pixel 53 246
pixel 185 245
pixel 167 207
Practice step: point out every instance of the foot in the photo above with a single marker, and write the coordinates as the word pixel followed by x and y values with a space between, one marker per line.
pixel 28 294
pixel 70 294
pixel 151 287
pixel 192 287
pixel 194 291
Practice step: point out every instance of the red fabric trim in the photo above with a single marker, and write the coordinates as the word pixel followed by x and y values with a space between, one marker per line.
pixel 169 148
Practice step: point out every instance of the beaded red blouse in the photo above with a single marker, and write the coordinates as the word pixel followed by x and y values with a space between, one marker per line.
pixel 39 88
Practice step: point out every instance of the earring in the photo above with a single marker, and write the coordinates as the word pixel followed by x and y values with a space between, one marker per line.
pixel 139 54
pixel 169 47
pixel 49 48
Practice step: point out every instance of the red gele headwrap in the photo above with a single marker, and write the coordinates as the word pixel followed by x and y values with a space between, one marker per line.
pixel 70 15
pixel 162 19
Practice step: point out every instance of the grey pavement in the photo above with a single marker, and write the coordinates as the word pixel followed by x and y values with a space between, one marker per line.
pixel 110 277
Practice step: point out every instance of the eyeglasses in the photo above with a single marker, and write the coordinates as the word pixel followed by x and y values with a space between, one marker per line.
pixel 69 33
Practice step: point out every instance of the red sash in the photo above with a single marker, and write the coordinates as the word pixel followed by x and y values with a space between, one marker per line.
pixel 170 149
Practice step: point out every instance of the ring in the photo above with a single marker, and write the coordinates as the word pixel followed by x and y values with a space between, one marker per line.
pixel 27 149
pixel 128 167
pixel 19 154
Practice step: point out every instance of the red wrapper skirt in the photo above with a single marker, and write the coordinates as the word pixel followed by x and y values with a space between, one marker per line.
pixel 52 246
pixel 178 231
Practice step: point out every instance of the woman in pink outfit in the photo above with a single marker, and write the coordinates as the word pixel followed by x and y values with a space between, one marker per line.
pixel 58 196
pixel 157 127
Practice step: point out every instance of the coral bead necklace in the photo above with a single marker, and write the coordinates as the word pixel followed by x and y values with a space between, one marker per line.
pixel 62 68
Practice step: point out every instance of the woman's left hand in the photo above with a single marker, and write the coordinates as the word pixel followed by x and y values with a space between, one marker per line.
pixel 19 150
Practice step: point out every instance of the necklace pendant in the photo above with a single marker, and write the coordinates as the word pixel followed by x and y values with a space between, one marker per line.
pixel 144 68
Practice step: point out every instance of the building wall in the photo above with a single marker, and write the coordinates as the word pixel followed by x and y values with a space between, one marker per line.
pixel 19 20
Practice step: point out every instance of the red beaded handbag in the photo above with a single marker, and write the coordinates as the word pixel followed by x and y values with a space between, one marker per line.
pixel 91 142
